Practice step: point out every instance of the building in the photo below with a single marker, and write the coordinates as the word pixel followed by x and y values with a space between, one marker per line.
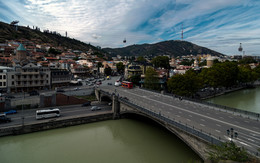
pixel 60 77
pixel 30 77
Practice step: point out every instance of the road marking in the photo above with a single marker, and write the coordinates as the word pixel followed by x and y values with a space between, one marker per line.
pixel 227 123
pixel 218 125
pixel 207 113
pixel 246 121
pixel 178 116
pixel 188 119
pixel 202 125
pixel 221 117
pixel 217 130
pixel 190 115
pixel 202 119
pixel 230 117
pixel 180 112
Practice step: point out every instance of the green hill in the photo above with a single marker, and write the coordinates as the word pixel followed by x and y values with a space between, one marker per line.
pixel 173 48
pixel 8 32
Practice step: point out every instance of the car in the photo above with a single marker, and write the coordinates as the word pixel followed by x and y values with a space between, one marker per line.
pixel 10 112
pixel 109 104
pixel 86 104
pixel 4 119
pixel 93 108
pixel 33 93
pixel 76 88
pixel 109 83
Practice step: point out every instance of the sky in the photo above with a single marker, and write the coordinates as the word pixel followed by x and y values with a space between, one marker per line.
pixel 220 25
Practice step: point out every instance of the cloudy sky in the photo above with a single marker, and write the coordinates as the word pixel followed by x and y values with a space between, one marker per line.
pixel 217 24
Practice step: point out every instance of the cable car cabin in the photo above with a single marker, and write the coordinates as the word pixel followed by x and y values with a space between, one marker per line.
pixel 124 41
pixel 127 84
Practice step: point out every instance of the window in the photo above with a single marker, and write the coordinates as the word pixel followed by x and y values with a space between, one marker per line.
pixel 12 76
pixel 4 83
pixel 12 82
pixel 4 76
pixel 0 83
pixel 0 76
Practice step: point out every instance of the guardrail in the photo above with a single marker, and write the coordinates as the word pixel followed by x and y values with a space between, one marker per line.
pixel 206 136
pixel 226 108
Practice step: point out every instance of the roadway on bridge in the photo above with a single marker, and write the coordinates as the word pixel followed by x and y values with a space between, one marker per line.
pixel 204 118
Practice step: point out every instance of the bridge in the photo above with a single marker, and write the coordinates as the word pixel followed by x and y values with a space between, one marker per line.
pixel 196 124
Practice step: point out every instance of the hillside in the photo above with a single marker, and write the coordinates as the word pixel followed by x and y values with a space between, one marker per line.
pixel 172 48
pixel 8 32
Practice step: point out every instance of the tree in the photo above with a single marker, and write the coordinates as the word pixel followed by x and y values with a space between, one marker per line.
pixel 186 62
pixel 99 64
pixel 161 61
pixel 141 59
pixel 53 51
pixel 151 80
pixel 135 79
pixel 184 84
pixel 246 75
pixel 247 60
pixel 120 67
pixel 108 71
pixel 228 151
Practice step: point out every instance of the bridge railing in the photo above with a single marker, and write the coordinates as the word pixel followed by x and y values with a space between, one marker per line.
pixel 184 127
pixel 224 108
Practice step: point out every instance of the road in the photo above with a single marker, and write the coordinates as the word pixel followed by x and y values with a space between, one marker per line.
pixel 202 117
pixel 66 111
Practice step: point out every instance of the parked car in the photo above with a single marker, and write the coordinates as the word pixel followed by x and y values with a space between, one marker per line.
pixel 109 83
pixel 93 108
pixel 33 93
pixel 10 112
pixel 4 119
pixel 86 104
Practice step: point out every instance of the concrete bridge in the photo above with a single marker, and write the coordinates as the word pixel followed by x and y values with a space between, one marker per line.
pixel 196 135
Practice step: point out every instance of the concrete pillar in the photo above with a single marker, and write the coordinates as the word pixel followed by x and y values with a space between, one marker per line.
pixel 53 100
pixel 115 107
pixel 97 93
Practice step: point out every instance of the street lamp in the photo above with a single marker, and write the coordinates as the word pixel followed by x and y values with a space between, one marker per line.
pixel 232 134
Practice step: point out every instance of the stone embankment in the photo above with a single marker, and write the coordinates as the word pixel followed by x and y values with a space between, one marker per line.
pixel 43 125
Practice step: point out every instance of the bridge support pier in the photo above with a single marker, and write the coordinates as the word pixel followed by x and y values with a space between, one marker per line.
pixel 115 107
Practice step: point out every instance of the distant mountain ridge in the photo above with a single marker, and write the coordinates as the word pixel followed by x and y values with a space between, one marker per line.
pixel 173 48
pixel 8 32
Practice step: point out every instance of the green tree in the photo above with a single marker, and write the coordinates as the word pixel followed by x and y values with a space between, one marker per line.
pixel 161 61
pixel 135 79
pixel 257 71
pixel 247 60
pixel 246 74
pixel 151 80
pixel 228 151
pixel 120 67
pixel 141 59
pixel 184 84
pixel 53 51
pixel 108 71
pixel 99 64
pixel 187 62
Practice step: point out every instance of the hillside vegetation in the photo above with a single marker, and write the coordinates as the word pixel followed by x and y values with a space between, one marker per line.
pixel 173 48
pixel 8 32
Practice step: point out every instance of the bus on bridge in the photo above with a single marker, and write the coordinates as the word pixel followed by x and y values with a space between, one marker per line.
pixel 127 84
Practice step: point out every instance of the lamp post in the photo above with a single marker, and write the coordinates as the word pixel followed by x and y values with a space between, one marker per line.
pixel 232 134
pixel 22 110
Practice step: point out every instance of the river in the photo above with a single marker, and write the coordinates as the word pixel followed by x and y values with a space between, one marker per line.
pixel 246 99
pixel 113 141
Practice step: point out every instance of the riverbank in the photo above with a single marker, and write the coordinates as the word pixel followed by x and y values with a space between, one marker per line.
pixel 55 123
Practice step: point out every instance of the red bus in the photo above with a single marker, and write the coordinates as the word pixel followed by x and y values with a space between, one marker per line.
pixel 127 84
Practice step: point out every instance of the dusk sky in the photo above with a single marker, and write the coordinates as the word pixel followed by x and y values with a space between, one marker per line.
pixel 216 24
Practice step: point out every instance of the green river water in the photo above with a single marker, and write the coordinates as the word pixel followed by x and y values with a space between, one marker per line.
pixel 113 141
pixel 246 99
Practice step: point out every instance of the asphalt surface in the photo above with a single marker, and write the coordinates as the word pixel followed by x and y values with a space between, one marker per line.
pixel 204 118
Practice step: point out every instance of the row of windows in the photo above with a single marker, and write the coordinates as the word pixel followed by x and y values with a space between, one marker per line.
pixel 2 76
pixel 2 83
pixel 31 82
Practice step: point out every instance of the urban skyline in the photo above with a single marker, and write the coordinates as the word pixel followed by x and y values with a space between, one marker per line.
pixel 218 25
